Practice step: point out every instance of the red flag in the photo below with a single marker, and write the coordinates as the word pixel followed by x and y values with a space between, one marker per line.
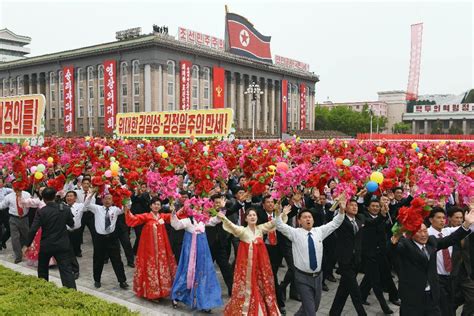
pixel 68 91
pixel 284 106
pixel 244 40
pixel 185 88
pixel 110 91
pixel 218 86
pixel 302 106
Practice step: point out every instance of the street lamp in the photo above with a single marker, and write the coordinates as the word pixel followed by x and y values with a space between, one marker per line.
pixel 254 90
pixel 371 116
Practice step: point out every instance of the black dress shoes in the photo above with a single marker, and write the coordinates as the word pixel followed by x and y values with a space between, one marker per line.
pixel 124 285
pixel 97 284
pixel 396 302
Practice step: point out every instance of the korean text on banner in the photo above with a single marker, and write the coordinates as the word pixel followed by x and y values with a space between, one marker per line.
pixel 185 87
pixel 110 90
pixel 284 106
pixel 69 107
pixel 302 106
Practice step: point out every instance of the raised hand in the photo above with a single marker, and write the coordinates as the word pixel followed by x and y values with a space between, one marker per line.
pixel 287 209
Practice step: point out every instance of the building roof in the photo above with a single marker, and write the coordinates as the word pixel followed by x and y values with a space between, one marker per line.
pixel 6 34
pixel 157 40
pixel 442 99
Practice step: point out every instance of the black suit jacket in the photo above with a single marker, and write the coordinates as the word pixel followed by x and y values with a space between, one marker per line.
pixel 416 270
pixel 216 235
pixel 140 203
pixel 374 237
pixel 53 219
pixel 233 212
pixel 348 245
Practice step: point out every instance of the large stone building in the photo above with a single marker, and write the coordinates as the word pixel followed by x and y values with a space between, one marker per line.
pixel 148 80
pixel 12 46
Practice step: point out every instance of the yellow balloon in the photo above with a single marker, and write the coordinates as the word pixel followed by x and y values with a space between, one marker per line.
pixel 383 150
pixel 50 160
pixel 377 177
pixel 420 155
pixel 414 145
pixel 272 167
pixel 164 155
pixel 38 175
pixel 114 167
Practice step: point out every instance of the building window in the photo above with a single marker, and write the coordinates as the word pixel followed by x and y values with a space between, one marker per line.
pixel 205 81
pixel 61 94
pixel 171 81
pixel 90 91
pixel 100 73
pixel 124 86
pixel 136 107
pixel 195 87
pixel 4 87
pixel 19 85
pixel 136 77
pixel 52 94
pixel 12 87
pixel 80 92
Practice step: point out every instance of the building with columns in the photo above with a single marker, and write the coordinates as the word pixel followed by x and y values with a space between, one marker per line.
pixel 12 46
pixel 148 79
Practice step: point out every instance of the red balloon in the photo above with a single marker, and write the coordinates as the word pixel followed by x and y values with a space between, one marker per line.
pixel 282 166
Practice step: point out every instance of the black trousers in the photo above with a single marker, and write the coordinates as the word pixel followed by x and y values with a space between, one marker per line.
pixel 276 259
pixel 347 286
pixel 289 279
pixel 426 307
pixel 372 279
pixel 107 245
pixel 74 237
pixel 176 240
pixel 138 232
pixel 329 256
pixel 123 233
pixel 63 259
pixel 446 296
pixel 87 221
pixel 219 255
pixel 5 221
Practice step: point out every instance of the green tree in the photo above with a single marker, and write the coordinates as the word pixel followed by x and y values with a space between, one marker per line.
pixel 401 128
pixel 437 127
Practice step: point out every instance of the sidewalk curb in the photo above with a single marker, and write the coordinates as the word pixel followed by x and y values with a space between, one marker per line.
pixel 132 306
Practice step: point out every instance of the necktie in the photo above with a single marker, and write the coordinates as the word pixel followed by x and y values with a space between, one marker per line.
pixel 446 258
pixel 107 219
pixel 272 238
pixel 313 263
pixel 18 207
pixel 354 226
pixel 427 255
pixel 242 215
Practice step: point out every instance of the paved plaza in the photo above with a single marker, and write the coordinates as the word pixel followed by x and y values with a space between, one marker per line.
pixel 110 288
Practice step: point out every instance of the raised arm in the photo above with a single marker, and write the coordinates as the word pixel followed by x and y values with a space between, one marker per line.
pixel 230 227
pixel 286 230
pixel 134 220
pixel 177 223
pixel 328 228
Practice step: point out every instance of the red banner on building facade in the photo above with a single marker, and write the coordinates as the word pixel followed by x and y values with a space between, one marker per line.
pixel 69 109
pixel 218 86
pixel 302 106
pixel 110 90
pixel 185 86
pixel 284 106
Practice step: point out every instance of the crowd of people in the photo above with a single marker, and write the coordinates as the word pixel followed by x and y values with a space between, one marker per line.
pixel 297 201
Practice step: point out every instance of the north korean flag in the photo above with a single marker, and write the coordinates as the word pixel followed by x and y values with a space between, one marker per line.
pixel 244 40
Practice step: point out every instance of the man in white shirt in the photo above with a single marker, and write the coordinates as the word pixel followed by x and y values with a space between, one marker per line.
pixel 307 248
pixel 443 260
pixel 107 242
pixel 4 217
pixel 77 209
pixel 19 223
pixel 88 218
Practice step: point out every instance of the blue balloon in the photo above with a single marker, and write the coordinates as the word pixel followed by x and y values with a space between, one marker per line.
pixel 240 147
pixel 417 149
pixel 372 186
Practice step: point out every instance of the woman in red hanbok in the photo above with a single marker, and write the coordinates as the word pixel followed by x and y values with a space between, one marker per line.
pixel 155 262
pixel 253 292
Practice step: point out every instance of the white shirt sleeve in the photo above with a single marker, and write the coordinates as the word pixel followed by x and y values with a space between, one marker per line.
pixel 328 228
pixel 285 229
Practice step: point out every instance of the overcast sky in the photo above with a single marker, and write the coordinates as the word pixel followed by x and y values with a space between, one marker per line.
pixel 357 48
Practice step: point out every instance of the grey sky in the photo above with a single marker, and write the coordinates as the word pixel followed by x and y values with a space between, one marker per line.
pixel 357 48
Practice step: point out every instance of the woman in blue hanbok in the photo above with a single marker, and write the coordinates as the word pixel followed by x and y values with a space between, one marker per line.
pixel 196 283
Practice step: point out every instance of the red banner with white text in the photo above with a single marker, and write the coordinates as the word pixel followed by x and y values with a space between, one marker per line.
pixel 284 106
pixel 218 87
pixel 415 61
pixel 69 109
pixel 185 85
pixel 302 106
pixel 110 90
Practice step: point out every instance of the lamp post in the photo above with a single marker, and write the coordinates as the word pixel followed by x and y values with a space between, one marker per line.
pixel 371 117
pixel 254 90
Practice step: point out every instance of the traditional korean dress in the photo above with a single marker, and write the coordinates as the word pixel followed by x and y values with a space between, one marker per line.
pixel 253 292
pixel 196 283
pixel 155 262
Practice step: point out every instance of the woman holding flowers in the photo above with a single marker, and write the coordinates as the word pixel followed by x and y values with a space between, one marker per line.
pixel 196 283
pixel 155 262
pixel 253 292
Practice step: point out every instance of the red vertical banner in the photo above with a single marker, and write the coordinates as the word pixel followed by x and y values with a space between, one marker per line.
pixel 415 61
pixel 110 91
pixel 185 85
pixel 218 86
pixel 69 108
pixel 302 106
pixel 284 106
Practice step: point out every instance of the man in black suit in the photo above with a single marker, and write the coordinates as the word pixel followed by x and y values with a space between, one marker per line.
pixel 53 219
pixel 218 240
pixel 236 213
pixel 348 253
pixel 374 250
pixel 140 204
pixel 418 278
